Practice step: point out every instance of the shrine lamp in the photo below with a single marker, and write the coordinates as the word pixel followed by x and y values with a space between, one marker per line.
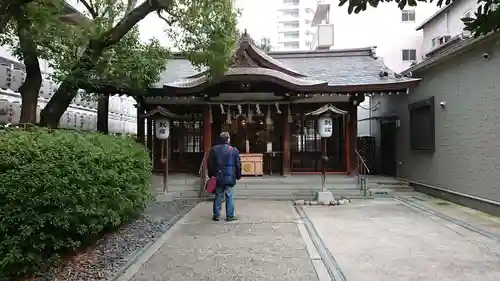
pixel 162 118
pixel 325 130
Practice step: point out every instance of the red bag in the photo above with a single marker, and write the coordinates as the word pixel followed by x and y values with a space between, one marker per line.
pixel 211 184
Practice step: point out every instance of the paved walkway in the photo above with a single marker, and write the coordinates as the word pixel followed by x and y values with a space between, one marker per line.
pixel 373 240
pixel 264 244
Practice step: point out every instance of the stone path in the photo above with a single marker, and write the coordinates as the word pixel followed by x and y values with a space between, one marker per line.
pixel 264 244
pixel 380 240
pixel 374 240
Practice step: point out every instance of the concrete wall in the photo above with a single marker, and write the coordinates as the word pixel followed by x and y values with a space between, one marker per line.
pixel 467 154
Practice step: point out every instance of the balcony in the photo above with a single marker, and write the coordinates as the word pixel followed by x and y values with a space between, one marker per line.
pixel 323 38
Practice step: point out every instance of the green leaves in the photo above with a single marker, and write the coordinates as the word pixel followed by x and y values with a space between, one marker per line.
pixel 205 31
pixel 265 44
pixel 486 19
pixel 44 16
pixel 59 189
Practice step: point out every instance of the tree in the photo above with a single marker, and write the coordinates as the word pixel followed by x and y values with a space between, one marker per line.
pixel 8 9
pixel 265 44
pixel 29 31
pixel 486 19
pixel 206 34
pixel 129 65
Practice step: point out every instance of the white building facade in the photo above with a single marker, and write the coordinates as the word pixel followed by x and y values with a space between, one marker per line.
pixel 293 25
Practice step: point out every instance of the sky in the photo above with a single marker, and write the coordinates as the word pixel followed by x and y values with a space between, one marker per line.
pixel 263 26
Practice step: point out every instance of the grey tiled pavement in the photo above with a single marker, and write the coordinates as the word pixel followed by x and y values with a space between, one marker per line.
pixel 370 240
pixel 380 240
pixel 264 244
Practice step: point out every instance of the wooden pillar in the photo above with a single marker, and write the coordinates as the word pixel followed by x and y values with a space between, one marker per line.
pixel 286 142
pixel 347 126
pixel 140 124
pixel 207 130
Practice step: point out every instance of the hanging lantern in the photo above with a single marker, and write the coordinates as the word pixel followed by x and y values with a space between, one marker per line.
pixel 325 126
pixel 210 114
pixel 162 128
pixel 249 115
pixel 290 119
pixel 269 121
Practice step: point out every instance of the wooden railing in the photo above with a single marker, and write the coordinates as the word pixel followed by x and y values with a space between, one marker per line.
pixel 203 173
pixel 363 172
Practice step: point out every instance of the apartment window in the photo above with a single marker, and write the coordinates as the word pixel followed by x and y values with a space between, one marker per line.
pixel 309 11
pixel 292 13
pixel 291 45
pixel 408 16
pixel 308 22
pixel 291 35
pixel 422 129
pixel 291 2
pixel 293 24
pixel 409 55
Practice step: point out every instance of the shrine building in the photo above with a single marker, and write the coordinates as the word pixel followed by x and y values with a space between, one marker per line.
pixel 266 101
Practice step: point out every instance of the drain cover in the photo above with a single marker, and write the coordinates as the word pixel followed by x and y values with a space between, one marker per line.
pixel 381 193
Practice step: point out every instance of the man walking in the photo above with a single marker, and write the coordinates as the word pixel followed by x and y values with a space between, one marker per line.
pixel 224 163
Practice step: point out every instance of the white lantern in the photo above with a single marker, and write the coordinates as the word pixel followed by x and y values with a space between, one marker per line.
pixel 162 128
pixel 325 126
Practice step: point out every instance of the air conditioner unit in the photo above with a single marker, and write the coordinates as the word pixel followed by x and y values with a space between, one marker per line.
pixel 466 34
pixel 440 40
pixel 443 39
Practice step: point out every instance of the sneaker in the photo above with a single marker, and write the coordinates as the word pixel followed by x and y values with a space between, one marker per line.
pixel 233 218
pixel 214 218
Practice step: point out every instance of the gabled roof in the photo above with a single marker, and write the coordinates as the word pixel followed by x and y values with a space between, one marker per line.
pixel 319 70
pixel 436 14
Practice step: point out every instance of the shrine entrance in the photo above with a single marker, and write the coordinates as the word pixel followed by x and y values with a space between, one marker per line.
pixel 254 135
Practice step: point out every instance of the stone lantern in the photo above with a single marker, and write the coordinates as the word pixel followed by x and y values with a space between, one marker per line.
pixel 162 119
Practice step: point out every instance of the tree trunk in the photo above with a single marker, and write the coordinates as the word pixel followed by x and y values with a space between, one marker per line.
pixel 31 86
pixel 62 98
pixel 102 114
pixel 8 9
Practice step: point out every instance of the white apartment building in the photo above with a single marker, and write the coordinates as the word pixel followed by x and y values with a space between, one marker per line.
pixel 446 26
pixel 293 25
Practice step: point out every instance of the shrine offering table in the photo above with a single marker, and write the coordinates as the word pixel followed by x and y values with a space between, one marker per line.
pixel 251 164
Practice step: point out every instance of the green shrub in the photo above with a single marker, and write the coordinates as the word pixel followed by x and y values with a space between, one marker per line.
pixel 61 189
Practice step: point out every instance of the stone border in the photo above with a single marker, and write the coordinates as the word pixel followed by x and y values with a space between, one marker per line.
pixel 143 255
pixel 322 259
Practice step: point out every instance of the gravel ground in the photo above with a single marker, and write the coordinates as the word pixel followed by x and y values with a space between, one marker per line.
pixel 115 250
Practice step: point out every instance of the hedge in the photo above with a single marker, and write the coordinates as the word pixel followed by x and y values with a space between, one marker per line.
pixel 59 190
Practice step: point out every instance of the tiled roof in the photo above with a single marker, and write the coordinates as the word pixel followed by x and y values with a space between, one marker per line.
pixel 337 67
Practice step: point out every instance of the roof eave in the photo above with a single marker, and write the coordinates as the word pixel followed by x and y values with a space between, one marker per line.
pixel 434 16
pixel 451 52
pixel 320 13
